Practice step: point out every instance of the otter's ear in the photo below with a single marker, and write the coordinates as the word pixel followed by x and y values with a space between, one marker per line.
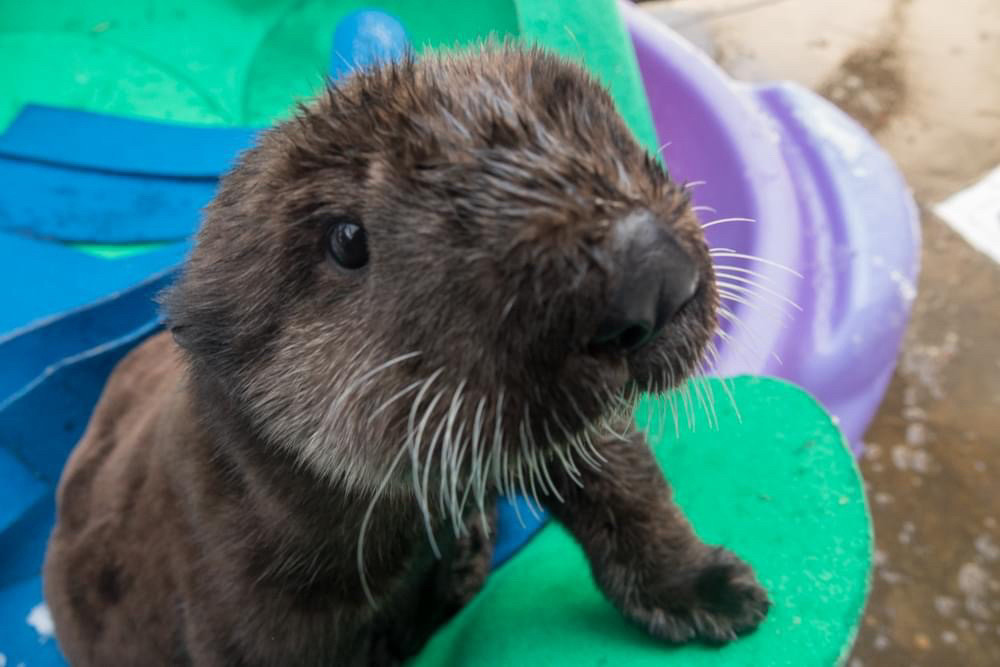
pixel 179 332
pixel 169 301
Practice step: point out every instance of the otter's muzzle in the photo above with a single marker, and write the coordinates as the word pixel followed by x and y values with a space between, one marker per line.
pixel 656 278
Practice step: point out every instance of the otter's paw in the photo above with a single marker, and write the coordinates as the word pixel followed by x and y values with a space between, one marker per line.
pixel 719 601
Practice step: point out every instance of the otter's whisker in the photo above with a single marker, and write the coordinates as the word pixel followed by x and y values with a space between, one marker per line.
pixel 725 295
pixel 431 446
pixel 571 470
pixel 393 398
pixel 565 457
pixel 739 255
pixel 595 452
pixel 757 280
pixel 481 490
pixel 458 503
pixel 512 468
pixel 672 399
pixel 610 429
pixel 504 474
pixel 584 422
pixel 478 467
pixel 522 459
pixel 550 445
pixel 661 410
pixel 576 442
pixel 619 404
pixel 766 296
pixel 573 441
pixel 751 342
pixel 507 308
pixel 413 445
pixel 367 519
pixel 706 384
pixel 703 401
pixel 587 451
pixel 725 382
pixel 740 269
pixel 693 384
pixel 732 317
pixel 742 347
pixel 756 285
pixel 722 221
pixel 534 451
pixel 448 454
pixel 536 464
pixel 468 494
pixel 429 461
pixel 688 405
pixel 370 374
pixel 701 368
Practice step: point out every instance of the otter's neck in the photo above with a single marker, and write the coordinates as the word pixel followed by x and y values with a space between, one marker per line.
pixel 289 526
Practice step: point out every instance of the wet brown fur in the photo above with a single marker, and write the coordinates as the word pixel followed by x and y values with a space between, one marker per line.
pixel 211 514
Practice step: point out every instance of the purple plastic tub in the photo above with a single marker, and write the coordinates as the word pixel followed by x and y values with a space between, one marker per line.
pixel 826 202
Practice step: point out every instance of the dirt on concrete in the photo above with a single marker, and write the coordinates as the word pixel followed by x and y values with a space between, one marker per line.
pixel 868 86
pixel 931 467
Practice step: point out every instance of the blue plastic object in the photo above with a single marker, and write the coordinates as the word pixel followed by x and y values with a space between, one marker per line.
pixel 39 425
pixel 52 202
pixel 516 524
pixel 100 142
pixel 45 279
pixel 74 176
pixel 27 352
pixel 365 37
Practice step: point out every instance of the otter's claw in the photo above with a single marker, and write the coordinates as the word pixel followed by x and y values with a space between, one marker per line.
pixel 719 602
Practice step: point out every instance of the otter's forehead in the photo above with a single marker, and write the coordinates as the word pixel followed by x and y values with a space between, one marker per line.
pixel 522 122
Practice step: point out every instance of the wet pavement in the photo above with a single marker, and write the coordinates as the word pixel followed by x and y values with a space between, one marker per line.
pixel 924 77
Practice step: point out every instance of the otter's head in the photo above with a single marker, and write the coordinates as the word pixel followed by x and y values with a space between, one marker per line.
pixel 455 269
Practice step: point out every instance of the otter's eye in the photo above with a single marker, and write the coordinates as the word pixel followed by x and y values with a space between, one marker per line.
pixel 348 244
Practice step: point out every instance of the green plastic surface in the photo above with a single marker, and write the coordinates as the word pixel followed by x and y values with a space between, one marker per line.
pixel 245 62
pixel 779 487
pixel 593 31
pixel 231 62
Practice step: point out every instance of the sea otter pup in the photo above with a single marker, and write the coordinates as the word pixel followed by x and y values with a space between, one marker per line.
pixel 446 278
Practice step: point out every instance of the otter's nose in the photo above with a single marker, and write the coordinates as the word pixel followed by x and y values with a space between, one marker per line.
pixel 657 277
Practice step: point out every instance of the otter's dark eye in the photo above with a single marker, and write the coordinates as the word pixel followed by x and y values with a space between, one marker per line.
pixel 348 244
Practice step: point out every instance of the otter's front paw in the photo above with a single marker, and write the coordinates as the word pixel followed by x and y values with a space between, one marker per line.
pixel 716 600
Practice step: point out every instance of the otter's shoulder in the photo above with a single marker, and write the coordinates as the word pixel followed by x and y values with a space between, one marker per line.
pixel 134 396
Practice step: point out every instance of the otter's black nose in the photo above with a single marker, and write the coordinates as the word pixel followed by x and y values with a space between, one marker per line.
pixel 656 278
